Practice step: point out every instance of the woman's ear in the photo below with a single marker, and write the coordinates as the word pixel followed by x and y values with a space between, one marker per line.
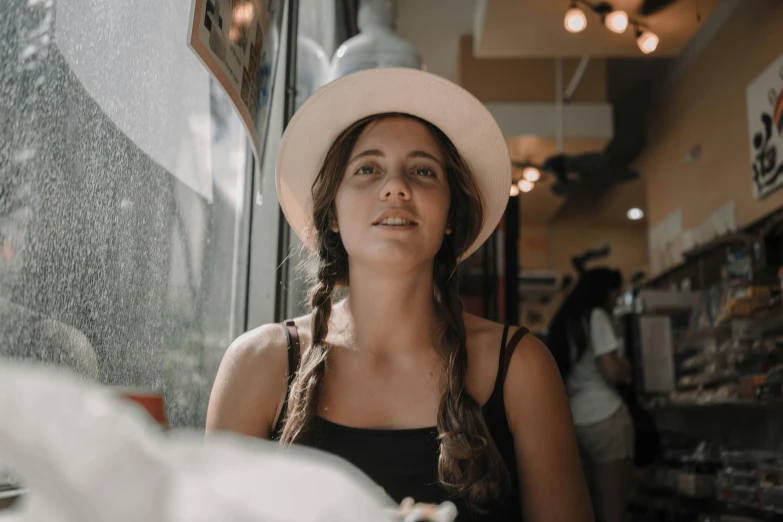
pixel 333 226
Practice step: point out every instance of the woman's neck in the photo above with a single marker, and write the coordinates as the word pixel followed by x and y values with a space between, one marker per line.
pixel 390 313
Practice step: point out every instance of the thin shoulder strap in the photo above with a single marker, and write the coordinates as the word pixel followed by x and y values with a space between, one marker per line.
pixel 503 345
pixel 294 352
pixel 294 355
pixel 498 390
pixel 495 402
pixel 508 350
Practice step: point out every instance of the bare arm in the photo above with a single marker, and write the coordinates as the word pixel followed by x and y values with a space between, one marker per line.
pixel 615 368
pixel 606 346
pixel 250 384
pixel 552 484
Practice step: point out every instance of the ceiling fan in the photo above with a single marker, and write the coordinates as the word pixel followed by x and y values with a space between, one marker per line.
pixel 576 173
pixel 573 173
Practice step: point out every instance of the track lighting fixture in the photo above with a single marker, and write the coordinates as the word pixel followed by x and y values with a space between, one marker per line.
pixel 531 174
pixel 613 19
pixel 525 185
pixel 646 40
pixel 575 19
pixel 616 21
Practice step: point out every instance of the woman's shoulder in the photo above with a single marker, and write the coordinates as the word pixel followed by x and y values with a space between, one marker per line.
pixel 485 339
pixel 250 384
pixel 487 336
pixel 268 342
pixel 531 375
pixel 483 333
pixel 530 367
pixel 265 342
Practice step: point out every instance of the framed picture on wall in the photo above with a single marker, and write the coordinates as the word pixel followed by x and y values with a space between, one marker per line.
pixel 765 129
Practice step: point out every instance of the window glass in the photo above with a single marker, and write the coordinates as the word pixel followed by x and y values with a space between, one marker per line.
pixel 124 199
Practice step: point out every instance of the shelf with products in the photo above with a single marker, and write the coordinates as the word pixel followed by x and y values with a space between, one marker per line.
pixel 730 345
pixel 724 361
pixel 708 479
pixel 701 265
pixel 765 320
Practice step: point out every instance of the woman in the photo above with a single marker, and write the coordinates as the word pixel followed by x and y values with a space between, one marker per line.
pixel 391 177
pixel 590 359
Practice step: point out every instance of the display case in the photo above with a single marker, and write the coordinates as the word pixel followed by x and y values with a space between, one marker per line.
pixel 706 339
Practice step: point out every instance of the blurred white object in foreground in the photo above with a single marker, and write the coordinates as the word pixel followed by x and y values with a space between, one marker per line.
pixel 88 456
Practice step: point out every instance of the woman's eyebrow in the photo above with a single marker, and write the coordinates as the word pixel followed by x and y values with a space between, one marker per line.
pixel 422 154
pixel 379 153
pixel 366 153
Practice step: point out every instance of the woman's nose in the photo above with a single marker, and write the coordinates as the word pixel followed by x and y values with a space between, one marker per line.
pixel 395 187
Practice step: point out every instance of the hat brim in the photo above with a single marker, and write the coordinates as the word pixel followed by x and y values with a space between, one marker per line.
pixel 339 104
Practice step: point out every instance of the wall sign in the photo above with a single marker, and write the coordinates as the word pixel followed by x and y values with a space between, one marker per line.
pixel 238 41
pixel 765 126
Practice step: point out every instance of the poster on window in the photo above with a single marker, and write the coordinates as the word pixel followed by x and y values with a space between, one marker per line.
pixel 765 125
pixel 239 41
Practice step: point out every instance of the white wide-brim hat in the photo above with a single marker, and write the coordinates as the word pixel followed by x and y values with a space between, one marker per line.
pixel 334 107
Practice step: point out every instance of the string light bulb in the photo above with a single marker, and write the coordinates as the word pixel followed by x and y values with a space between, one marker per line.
pixel 531 174
pixel 616 21
pixel 647 41
pixel 525 185
pixel 575 20
pixel 514 190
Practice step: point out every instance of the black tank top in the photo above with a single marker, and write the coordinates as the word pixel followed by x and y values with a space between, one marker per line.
pixel 405 461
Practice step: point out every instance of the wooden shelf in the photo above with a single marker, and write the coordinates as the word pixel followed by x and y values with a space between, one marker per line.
pixel 726 240
pixel 692 256
pixel 747 235
pixel 769 322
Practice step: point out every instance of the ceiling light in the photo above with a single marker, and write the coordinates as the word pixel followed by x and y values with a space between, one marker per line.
pixel 635 214
pixel 647 41
pixel 616 21
pixel 525 185
pixel 575 20
pixel 531 174
pixel 514 190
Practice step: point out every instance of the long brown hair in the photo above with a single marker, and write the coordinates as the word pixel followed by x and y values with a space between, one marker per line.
pixel 470 465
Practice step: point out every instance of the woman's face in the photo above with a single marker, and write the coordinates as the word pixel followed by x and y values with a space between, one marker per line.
pixel 393 202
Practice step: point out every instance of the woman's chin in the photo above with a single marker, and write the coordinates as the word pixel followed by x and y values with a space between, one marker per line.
pixel 394 256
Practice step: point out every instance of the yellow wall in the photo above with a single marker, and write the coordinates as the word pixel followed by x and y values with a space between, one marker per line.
pixel 629 246
pixel 534 247
pixel 707 107
pixel 552 246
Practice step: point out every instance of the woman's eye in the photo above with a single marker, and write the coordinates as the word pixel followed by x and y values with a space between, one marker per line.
pixel 367 169
pixel 425 172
